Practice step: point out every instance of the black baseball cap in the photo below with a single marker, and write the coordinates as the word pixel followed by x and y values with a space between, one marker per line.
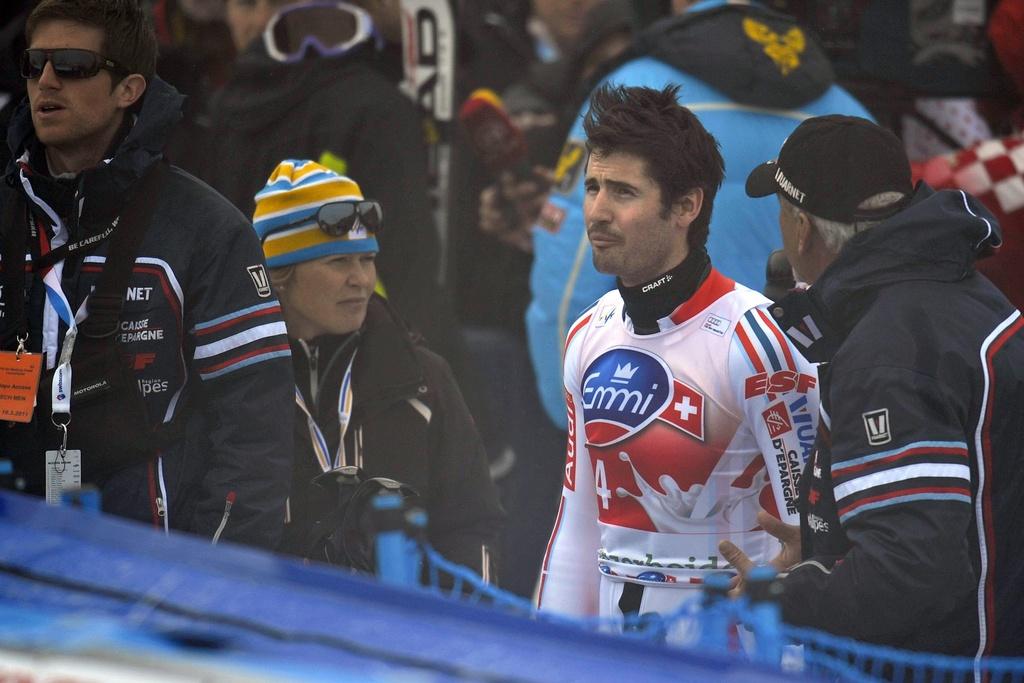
pixel 830 164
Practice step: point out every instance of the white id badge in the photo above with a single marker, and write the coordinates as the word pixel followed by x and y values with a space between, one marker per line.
pixel 63 473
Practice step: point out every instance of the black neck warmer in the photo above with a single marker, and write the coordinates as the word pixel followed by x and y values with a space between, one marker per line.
pixel 59 193
pixel 650 301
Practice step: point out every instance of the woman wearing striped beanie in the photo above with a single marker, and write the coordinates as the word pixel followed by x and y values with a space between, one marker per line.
pixel 367 394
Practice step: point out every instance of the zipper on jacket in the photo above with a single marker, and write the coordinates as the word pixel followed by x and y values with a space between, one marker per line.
pixel 357 442
pixel 163 500
pixel 155 502
pixel 314 373
pixel 229 500
pixel 313 355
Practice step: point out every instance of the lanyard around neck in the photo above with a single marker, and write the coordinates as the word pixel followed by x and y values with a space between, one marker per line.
pixel 57 310
pixel 316 436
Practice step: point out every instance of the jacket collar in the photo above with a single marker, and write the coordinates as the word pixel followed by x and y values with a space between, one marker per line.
pixel 386 368
pixel 105 186
pixel 936 238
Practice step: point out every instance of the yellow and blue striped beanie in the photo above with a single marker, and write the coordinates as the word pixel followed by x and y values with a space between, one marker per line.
pixel 285 216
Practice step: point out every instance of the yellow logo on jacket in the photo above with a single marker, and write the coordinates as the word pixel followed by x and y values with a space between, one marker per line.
pixel 569 164
pixel 784 50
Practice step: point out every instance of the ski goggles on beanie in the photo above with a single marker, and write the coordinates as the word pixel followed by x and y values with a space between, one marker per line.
pixel 338 218
pixel 330 29
pixel 307 211
pixel 67 62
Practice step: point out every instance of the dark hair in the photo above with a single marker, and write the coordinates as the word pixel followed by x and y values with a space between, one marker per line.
pixel 679 152
pixel 128 37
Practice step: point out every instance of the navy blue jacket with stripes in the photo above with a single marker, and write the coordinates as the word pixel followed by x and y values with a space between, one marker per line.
pixel 912 502
pixel 201 333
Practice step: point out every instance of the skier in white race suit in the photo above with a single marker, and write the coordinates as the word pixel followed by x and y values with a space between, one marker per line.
pixel 689 411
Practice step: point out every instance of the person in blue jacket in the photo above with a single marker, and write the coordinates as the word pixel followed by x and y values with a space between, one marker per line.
pixel 751 75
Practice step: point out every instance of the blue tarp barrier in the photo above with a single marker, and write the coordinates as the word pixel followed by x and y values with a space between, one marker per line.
pixel 180 597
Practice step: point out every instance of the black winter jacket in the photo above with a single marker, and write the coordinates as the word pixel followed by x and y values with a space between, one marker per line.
pixel 201 333
pixel 911 505
pixel 343 113
pixel 409 423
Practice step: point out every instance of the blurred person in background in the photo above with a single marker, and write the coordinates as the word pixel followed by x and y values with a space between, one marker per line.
pixel 493 265
pixel 368 394
pixel 993 170
pixel 12 43
pixel 196 53
pixel 544 105
pixel 305 85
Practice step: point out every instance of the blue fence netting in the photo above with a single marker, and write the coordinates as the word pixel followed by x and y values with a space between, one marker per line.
pixel 717 625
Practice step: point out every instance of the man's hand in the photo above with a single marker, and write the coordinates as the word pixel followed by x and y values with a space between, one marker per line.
pixel 787 534
pixel 509 208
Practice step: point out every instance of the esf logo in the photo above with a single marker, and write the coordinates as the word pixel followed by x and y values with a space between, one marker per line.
pixel 626 389
pixel 779 383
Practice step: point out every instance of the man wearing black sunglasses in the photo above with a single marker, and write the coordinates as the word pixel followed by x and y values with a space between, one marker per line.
pixel 175 414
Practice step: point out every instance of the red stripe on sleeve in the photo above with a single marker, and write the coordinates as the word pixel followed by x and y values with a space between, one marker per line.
pixel 986 494
pixel 576 328
pixel 778 335
pixel 244 356
pixel 962 490
pixel 547 553
pixel 749 348
pixel 235 321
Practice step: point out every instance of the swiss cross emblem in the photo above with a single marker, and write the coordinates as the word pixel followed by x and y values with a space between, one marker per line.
pixel 685 411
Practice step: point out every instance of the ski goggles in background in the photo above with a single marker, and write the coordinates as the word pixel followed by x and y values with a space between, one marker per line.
pixel 344 216
pixel 330 28
pixel 67 62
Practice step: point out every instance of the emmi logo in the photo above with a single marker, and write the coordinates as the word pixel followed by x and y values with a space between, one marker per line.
pixel 625 387
pixel 615 398
pixel 138 294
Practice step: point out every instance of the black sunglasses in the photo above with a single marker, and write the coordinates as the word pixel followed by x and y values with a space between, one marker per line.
pixel 67 62
pixel 338 218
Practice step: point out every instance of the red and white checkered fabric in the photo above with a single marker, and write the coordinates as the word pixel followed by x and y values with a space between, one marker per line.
pixel 992 171
pixel 996 167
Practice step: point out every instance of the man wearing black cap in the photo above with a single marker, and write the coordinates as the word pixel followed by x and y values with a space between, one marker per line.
pixel 910 501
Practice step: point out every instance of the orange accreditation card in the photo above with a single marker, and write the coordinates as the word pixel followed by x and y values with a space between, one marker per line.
pixel 19 380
